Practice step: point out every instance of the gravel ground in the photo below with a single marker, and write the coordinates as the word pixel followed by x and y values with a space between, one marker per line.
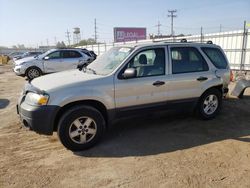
pixel 162 150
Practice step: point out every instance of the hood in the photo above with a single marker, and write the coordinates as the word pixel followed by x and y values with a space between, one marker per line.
pixel 26 59
pixel 62 79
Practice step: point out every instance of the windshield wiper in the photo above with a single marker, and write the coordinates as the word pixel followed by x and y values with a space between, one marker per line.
pixel 92 70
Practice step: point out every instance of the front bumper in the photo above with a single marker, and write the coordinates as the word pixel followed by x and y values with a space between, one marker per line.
pixel 19 71
pixel 40 119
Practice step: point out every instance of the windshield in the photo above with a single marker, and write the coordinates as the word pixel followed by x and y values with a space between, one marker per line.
pixel 110 60
pixel 44 54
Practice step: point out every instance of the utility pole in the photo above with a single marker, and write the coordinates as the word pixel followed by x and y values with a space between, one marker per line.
pixel 68 36
pixel 201 34
pixel 158 28
pixel 47 40
pixel 95 28
pixel 55 41
pixel 172 15
pixel 220 27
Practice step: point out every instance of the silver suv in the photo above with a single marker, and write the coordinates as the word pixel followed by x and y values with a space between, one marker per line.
pixel 54 60
pixel 80 105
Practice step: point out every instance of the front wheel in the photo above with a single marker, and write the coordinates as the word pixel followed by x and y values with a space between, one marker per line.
pixel 209 104
pixel 33 72
pixel 80 128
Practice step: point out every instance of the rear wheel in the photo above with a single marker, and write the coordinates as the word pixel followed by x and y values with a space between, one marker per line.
pixel 209 104
pixel 81 128
pixel 33 72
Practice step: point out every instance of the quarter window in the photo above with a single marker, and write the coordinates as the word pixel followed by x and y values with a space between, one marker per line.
pixel 149 62
pixel 216 57
pixel 187 59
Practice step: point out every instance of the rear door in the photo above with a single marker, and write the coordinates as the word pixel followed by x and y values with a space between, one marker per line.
pixel 70 60
pixel 190 72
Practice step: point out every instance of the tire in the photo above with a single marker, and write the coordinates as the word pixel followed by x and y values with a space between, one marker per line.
pixel 209 104
pixel 80 128
pixel 33 72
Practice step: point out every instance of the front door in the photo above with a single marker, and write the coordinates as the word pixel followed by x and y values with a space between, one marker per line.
pixel 53 63
pixel 148 87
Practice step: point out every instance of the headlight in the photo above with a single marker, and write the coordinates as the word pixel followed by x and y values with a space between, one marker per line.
pixel 36 99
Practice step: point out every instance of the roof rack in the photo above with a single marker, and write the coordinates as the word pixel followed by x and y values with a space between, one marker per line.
pixel 207 42
pixel 183 41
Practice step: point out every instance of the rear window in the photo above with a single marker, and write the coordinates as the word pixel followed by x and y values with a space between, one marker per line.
pixel 216 57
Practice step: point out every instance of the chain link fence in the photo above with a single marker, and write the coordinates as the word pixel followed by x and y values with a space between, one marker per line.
pixel 236 45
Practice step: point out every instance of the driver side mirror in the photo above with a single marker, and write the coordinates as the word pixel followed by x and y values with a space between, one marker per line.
pixel 46 58
pixel 129 73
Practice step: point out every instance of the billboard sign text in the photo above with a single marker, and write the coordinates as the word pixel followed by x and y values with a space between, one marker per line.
pixel 125 34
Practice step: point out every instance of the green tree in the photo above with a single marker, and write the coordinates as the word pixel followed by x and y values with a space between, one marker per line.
pixel 89 41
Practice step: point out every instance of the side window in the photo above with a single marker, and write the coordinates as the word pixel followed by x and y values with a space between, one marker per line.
pixel 187 59
pixel 149 62
pixel 216 57
pixel 54 55
pixel 74 54
pixel 71 54
pixel 65 54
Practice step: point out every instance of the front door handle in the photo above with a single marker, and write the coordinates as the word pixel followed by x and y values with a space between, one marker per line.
pixel 158 83
pixel 201 78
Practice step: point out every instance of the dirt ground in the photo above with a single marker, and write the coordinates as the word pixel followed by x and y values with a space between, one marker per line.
pixel 162 150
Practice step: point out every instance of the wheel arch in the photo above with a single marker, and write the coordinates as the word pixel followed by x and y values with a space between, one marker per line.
pixel 93 103
pixel 33 66
pixel 218 87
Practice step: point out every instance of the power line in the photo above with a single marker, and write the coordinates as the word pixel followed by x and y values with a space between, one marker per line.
pixel 172 15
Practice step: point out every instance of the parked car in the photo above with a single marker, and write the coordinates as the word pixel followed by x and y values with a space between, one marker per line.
pixel 14 54
pixel 27 54
pixel 125 81
pixel 92 57
pixel 90 53
pixel 54 60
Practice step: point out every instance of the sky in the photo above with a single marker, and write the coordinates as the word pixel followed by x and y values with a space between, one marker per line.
pixel 38 22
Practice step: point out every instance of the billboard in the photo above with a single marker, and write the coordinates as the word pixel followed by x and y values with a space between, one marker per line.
pixel 125 34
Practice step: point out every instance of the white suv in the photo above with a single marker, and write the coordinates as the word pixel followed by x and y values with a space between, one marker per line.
pixel 125 81
pixel 54 60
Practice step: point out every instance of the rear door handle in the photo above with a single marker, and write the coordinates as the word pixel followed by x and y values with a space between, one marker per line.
pixel 201 78
pixel 158 83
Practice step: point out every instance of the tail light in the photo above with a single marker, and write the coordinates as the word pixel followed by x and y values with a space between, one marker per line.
pixel 231 76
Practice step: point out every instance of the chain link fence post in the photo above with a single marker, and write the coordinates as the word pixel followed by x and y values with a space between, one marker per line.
pixel 243 50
